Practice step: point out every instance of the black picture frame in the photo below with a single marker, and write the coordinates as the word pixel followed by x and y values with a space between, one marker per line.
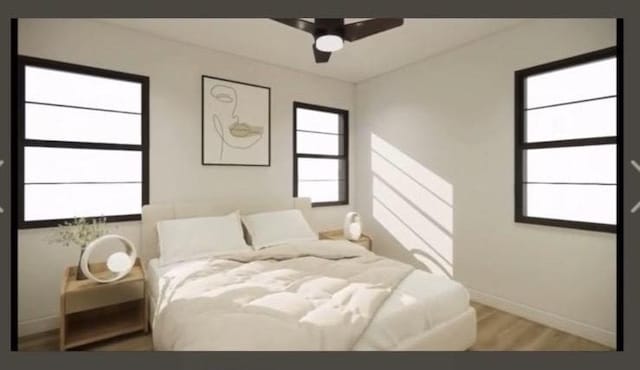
pixel 202 126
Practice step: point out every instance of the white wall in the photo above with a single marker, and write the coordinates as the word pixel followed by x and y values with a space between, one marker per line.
pixel 453 114
pixel 175 71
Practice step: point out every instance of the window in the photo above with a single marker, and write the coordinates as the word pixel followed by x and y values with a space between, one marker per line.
pixel 566 124
pixel 321 152
pixel 83 148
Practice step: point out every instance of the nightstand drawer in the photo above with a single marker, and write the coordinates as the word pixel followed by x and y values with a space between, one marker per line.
pixel 103 296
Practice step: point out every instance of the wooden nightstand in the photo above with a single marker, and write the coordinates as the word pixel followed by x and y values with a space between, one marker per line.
pixel 91 311
pixel 364 240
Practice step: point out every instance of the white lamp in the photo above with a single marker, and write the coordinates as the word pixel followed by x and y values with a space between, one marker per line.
pixel 120 263
pixel 352 226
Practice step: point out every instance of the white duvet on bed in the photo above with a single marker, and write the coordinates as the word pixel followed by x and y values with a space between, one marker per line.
pixel 427 299
pixel 419 302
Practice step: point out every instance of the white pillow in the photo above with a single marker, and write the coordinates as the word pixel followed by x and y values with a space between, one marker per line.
pixel 191 238
pixel 271 228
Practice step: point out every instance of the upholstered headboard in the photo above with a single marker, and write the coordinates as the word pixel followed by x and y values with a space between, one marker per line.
pixel 154 213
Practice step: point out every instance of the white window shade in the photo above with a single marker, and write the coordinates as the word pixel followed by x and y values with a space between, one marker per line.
pixel 579 164
pixel 320 179
pixel 318 121
pixel 59 201
pixel 581 82
pixel 319 169
pixel 51 86
pixel 46 122
pixel 596 118
pixel 320 191
pixel 314 143
pixel 584 203
pixel 63 165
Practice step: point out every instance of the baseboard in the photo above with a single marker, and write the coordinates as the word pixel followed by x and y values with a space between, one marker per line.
pixel 29 327
pixel 552 320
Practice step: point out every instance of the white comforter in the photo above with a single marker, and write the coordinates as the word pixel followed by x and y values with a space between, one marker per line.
pixel 307 296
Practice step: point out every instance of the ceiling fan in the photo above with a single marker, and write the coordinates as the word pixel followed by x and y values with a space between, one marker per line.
pixel 329 33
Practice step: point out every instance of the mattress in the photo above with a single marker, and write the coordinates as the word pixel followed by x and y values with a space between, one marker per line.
pixel 430 299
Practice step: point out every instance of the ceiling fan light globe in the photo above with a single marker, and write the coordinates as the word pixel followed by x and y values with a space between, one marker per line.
pixel 329 43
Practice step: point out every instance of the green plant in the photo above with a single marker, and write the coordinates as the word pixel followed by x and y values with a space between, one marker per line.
pixel 80 232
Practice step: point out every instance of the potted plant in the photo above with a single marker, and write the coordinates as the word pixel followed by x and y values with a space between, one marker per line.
pixel 80 232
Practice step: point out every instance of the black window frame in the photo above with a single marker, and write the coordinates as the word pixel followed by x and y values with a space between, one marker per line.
pixel 143 147
pixel 344 157
pixel 521 145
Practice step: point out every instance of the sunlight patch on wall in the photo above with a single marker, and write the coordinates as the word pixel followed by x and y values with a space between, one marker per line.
pixel 419 195
pixel 420 250
pixel 439 241
pixel 414 205
pixel 436 184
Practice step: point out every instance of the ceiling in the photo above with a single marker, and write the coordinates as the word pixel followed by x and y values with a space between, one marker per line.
pixel 274 43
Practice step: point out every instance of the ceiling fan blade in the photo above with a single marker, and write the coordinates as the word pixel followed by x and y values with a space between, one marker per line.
pixel 300 24
pixel 321 56
pixel 360 30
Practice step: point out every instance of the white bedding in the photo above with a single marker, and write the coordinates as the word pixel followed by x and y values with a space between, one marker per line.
pixel 426 299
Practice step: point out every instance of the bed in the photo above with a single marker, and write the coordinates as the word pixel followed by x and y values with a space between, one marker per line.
pixel 407 309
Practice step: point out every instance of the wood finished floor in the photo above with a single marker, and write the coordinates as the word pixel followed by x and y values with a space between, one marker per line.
pixel 501 331
pixel 497 331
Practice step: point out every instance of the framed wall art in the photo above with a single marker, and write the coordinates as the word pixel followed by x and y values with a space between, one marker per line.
pixel 236 123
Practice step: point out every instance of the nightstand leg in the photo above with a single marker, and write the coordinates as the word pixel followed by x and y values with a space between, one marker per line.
pixel 63 325
pixel 146 312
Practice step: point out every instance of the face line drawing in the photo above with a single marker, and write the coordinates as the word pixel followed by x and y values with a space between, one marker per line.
pixel 240 129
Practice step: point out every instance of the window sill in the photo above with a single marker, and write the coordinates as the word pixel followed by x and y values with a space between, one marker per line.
pixel 54 223
pixel 329 204
pixel 590 226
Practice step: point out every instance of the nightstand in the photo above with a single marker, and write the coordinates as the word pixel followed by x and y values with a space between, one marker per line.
pixel 91 311
pixel 364 240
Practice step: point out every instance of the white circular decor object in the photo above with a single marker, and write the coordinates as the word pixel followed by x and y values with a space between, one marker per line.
pixel 120 262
